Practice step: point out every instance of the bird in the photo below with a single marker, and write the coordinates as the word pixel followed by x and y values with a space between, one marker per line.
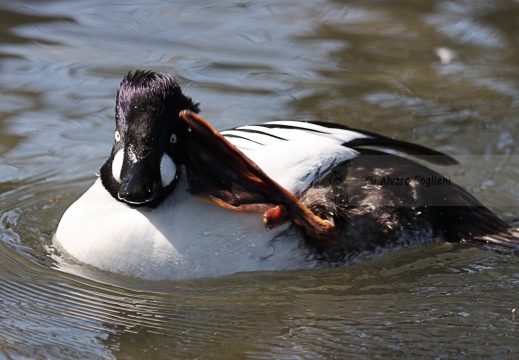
pixel 330 195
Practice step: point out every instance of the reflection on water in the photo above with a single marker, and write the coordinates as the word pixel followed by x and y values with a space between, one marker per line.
pixel 443 74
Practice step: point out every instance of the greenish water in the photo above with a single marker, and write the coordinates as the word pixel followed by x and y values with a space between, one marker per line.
pixel 440 73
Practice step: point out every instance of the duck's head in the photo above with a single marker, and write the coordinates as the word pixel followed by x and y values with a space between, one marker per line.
pixel 158 131
pixel 144 165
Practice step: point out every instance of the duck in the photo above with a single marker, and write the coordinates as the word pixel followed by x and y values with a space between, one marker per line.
pixel 177 199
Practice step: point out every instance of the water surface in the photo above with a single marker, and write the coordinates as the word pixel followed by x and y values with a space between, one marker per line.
pixel 440 73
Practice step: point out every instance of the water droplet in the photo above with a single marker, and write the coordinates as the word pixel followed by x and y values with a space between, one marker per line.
pixel 208 232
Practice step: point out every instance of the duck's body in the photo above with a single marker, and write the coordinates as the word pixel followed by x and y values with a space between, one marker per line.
pixel 185 237
pixel 139 218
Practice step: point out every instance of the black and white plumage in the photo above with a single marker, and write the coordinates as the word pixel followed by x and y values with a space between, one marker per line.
pixel 140 219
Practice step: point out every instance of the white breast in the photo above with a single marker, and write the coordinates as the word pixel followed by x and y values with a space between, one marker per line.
pixel 182 238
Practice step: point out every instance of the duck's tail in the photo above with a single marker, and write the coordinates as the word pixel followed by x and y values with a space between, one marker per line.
pixel 466 221
pixel 503 243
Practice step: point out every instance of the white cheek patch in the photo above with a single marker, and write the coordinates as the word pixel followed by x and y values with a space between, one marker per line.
pixel 117 165
pixel 168 170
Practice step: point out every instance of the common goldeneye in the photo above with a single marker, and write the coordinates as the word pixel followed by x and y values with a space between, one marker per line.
pixel 328 197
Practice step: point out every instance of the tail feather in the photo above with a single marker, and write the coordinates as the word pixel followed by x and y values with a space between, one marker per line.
pixel 503 243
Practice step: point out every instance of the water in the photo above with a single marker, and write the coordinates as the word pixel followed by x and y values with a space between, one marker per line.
pixel 440 73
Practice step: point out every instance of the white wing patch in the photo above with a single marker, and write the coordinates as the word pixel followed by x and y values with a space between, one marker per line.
pixel 295 154
pixel 314 130
pixel 296 165
pixel 255 137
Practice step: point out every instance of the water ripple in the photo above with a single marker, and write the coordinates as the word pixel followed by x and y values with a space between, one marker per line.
pixel 365 64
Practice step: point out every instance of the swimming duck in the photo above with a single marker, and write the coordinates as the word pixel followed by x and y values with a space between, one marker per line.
pixel 326 195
